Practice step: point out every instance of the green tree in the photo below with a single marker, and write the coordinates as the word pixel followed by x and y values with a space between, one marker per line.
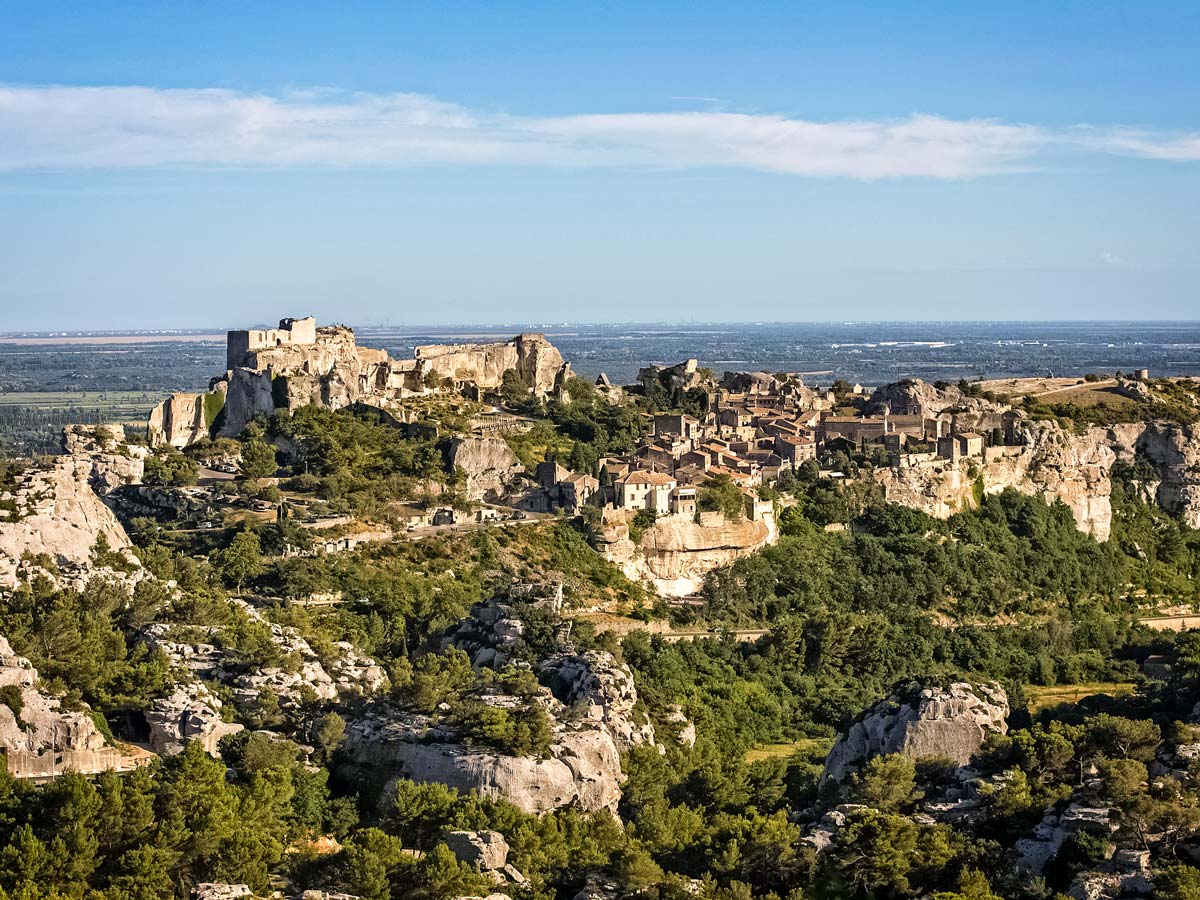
pixel 242 559
pixel 258 459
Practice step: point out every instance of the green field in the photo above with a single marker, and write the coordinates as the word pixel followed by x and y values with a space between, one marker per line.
pixel 121 406
pixel 775 751
pixel 1040 697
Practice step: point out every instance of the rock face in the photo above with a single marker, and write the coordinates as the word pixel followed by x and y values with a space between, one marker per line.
pixel 1053 464
pixel 181 419
pixel 45 740
pixel 485 850
pixel 1040 457
pixel 350 674
pixel 114 463
pixel 190 713
pixel 534 358
pixel 599 686
pixel 912 396
pixel 583 768
pixel 1174 451
pixel 489 464
pixel 58 514
pixel 589 698
pixel 921 721
pixel 676 552
pixel 299 363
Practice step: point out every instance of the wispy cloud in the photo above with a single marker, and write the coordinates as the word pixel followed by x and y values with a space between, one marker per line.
pixel 48 127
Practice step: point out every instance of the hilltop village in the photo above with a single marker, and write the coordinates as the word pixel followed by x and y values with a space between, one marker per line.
pixel 467 625
pixel 696 438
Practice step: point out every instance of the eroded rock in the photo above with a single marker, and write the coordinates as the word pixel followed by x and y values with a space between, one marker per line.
pixel 922 721
pixel 40 739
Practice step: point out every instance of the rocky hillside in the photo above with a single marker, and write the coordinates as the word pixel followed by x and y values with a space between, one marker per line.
pixel 55 512
pixel 1039 457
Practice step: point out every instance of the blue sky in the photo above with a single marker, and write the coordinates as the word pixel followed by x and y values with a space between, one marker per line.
pixel 216 164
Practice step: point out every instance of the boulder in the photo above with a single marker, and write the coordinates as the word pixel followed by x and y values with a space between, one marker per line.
pixel 488 463
pixel 213 890
pixel 582 767
pixel 486 851
pixel 189 713
pixel 922 721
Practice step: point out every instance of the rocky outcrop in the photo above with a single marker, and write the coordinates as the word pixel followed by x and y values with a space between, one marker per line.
pixel 600 689
pixel 114 462
pixel 958 410
pixel 489 465
pixel 487 853
pixel 1051 463
pixel 55 511
pixel 676 552
pixel 182 418
pixel 189 713
pixel 1174 452
pixel 39 738
pixel 922 721
pixel 1039 457
pixel 303 676
pixel 299 364
pixel 532 356
pixel 597 686
pixel 215 890
pixel 582 767
pixel 590 700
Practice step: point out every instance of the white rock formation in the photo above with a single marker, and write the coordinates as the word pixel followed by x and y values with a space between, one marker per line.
pixel 922 721
pixel 189 713
pixel 676 552
pixel 58 514
pixel 46 740
pixel 489 464
pixel 299 364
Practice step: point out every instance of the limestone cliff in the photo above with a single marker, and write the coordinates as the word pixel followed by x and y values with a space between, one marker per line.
pixel 489 465
pixel 299 364
pixel 676 552
pixel 1053 464
pixel 1174 452
pixel 39 738
pixel 55 511
pixel 1058 465
pixel 534 358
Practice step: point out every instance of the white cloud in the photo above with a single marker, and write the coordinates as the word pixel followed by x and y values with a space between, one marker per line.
pixel 121 127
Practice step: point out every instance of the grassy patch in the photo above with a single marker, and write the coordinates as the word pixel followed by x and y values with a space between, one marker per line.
pixel 1040 697
pixel 807 746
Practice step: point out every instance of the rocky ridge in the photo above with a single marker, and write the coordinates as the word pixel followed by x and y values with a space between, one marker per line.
pixel 299 364
pixel 1040 458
